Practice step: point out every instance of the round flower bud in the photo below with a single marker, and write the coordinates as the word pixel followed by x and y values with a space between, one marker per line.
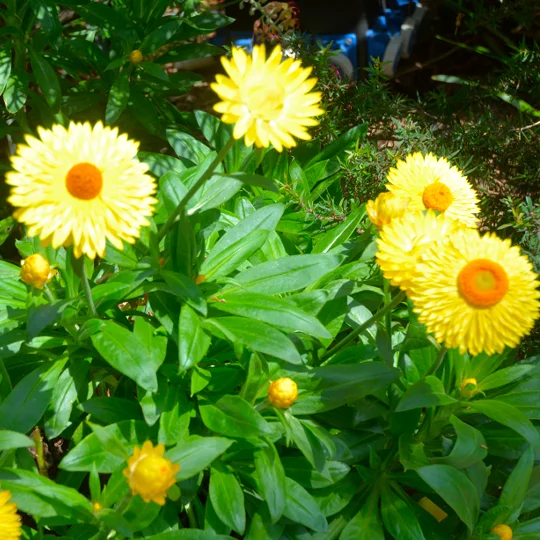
pixel 136 57
pixel 282 393
pixel 149 474
pixel 469 388
pixel 36 271
pixel 504 532
pixel 385 208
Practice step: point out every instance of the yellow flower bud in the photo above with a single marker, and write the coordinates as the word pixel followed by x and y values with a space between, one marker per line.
pixel 36 271
pixel 97 507
pixel 136 57
pixel 469 388
pixel 385 208
pixel 504 532
pixel 149 474
pixel 429 506
pixel 282 393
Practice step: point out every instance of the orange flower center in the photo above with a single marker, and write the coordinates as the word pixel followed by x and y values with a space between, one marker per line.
pixel 84 181
pixel 437 196
pixel 482 283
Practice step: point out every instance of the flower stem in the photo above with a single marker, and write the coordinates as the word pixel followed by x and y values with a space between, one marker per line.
pixel 438 361
pixel 357 331
pixel 80 270
pixel 49 294
pixel 187 197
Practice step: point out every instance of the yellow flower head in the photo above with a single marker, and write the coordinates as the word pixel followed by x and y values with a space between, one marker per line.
pixel 504 532
pixel 267 100
pixel 402 242
pixel 282 393
pixel 149 474
pixel 136 57
pixel 478 293
pixel 81 186
pixel 386 207
pixel 432 183
pixel 10 522
pixel 469 387
pixel 36 271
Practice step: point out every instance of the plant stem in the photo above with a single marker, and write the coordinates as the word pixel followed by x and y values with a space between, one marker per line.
pixel 80 270
pixel 438 361
pixel 187 197
pixel 40 454
pixel 49 294
pixel 357 331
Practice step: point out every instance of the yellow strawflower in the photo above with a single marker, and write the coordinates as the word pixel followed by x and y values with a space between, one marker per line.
pixel 136 57
pixel 386 207
pixel 476 293
pixel 282 393
pixel 149 474
pixel 469 388
pixel 432 183
pixel 402 242
pixel 81 186
pixel 267 100
pixel 504 532
pixel 36 271
pixel 10 521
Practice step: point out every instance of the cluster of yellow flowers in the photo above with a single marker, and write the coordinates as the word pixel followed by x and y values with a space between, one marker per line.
pixel 473 292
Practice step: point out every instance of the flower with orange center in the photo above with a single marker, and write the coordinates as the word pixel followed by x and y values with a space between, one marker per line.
pixel 10 521
pixel 269 101
pixel 476 293
pixel 149 474
pixel 504 532
pixel 431 183
pixel 81 186
pixel 386 207
pixel 402 242
pixel 282 393
pixel 36 271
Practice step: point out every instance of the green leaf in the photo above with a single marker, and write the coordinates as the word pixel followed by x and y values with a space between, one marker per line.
pixel 455 489
pixel 398 517
pixel 124 352
pixel 42 497
pixel 252 180
pixel 503 377
pixel 155 70
pixel 186 146
pixel 515 488
pixel 90 453
pixel 366 524
pixel 340 234
pixel 214 193
pixel 509 416
pixel 15 92
pixel 39 317
pixel 307 443
pixel 274 311
pixel 46 79
pixel 337 385
pixel 175 416
pixel 114 521
pixel 300 470
pixel 110 410
pixel 12 439
pixel 189 534
pixel 118 100
pixel 354 135
pixel 470 446
pixel 271 479
pixel 528 530
pixel 103 16
pixel 234 417
pixel 74 379
pixel 285 275
pixel 25 405
pixel 227 261
pixel 300 507
pixel 5 66
pixel 193 342
pixel 110 441
pixel 196 453
pixel 428 392
pixel 227 497
pixel 256 335
pixel 186 289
